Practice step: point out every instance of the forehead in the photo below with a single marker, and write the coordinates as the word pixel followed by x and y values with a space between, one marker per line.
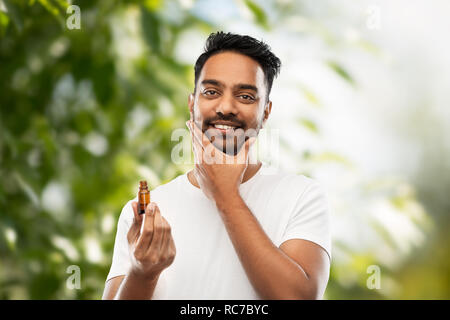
pixel 232 68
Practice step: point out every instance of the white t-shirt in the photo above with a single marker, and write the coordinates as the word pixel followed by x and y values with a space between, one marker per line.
pixel 206 265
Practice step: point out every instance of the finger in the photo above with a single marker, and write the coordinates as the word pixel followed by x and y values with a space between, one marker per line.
pixel 205 150
pixel 137 217
pixel 252 142
pixel 194 144
pixel 134 231
pixel 192 139
pixel 172 249
pixel 147 228
pixel 202 138
pixel 197 135
pixel 165 242
pixel 242 155
pixel 209 153
pixel 158 232
pixel 245 149
pixel 197 149
pixel 168 244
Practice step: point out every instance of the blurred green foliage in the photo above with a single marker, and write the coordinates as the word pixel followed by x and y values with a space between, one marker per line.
pixel 84 114
pixel 69 109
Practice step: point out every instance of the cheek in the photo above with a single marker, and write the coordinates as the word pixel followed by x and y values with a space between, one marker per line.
pixel 203 109
pixel 252 117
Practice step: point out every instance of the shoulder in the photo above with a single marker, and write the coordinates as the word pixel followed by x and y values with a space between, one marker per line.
pixel 308 189
pixel 289 182
pixel 169 185
pixel 297 190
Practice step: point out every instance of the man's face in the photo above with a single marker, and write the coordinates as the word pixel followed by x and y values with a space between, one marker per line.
pixel 231 91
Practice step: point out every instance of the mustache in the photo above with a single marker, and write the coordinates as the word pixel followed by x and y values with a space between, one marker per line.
pixel 232 119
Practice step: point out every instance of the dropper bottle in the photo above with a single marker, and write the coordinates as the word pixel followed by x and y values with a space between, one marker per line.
pixel 143 196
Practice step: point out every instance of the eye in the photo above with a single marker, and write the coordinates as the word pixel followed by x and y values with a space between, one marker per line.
pixel 247 97
pixel 209 92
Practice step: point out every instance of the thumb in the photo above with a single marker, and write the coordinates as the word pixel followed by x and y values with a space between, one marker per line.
pixel 248 144
pixel 251 141
pixel 137 217
pixel 242 156
pixel 137 221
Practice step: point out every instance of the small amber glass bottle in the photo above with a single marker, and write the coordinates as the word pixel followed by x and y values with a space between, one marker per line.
pixel 143 196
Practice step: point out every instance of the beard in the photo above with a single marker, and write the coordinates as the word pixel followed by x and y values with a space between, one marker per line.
pixel 229 141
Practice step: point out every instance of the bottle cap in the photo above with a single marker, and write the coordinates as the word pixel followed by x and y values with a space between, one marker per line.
pixel 143 183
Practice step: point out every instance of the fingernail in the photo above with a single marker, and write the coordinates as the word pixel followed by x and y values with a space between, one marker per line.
pixel 150 207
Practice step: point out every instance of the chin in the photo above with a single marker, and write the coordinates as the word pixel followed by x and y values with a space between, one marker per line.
pixel 232 149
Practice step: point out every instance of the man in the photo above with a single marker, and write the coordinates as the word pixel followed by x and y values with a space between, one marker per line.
pixel 226 230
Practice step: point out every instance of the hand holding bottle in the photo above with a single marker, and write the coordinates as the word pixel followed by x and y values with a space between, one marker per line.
pixel 151 245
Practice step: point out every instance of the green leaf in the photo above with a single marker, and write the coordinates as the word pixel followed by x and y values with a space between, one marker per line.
pixel 4 22
pixel 328 156
pixel 150 27
pixel 341 71
pixel 369 47
pixel 27 189
pixel 14 12
pixel 258 13
pixel 310 125
pixel 50 7
pixel 310 96
pixel 152 5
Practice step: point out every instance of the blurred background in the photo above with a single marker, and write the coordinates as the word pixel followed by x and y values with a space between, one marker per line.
pixel 362 104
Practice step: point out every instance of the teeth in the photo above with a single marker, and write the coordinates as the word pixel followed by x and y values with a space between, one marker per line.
pixel 222 126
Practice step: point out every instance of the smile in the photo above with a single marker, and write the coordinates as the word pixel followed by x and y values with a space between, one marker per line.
pixel 225 130
pixel 224 127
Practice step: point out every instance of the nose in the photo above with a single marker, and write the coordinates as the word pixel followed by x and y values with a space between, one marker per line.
pixel 227 105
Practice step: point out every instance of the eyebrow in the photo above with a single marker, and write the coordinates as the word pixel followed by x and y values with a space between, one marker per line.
pixel 237 86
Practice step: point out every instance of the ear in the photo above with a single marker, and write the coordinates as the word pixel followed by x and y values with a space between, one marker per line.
pixel 191 105
pixel 267 111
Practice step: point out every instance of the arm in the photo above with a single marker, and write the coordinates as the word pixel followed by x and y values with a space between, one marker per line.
pixel 299 269
pixel 129 287
pixel 135 287
pixel 111 287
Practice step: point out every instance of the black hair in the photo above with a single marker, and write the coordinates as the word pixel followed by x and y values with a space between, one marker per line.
pixel 246 45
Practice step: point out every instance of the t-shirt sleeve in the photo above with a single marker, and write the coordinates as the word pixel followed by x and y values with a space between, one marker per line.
pixel 310 218
pixel 121 259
